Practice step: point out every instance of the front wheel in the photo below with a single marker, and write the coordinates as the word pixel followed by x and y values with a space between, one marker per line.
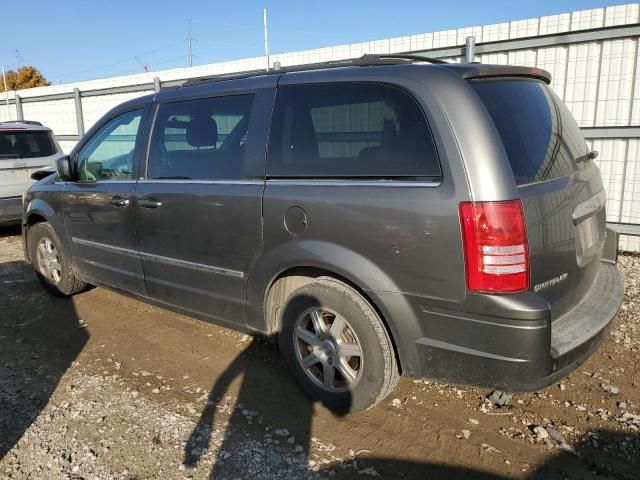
pixel 51 263
pixel 337 347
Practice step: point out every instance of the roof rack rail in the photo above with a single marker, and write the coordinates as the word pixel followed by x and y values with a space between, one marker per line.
pixel 368 59
pixel 28 122
pixel 388 58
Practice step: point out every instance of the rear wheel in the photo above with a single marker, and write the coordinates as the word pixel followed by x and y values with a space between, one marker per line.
pixel 51 263
pixel 337 347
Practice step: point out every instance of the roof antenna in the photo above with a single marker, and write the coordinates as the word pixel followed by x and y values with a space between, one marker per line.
pixel 266 37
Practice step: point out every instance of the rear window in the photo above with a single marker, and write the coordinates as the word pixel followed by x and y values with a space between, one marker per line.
pixel 540 136
pixel 349 130
pixel 17 144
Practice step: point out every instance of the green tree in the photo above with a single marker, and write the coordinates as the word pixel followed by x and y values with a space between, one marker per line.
pixel 25 77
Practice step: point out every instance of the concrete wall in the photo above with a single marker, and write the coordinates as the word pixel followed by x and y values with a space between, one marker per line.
pixel 592 55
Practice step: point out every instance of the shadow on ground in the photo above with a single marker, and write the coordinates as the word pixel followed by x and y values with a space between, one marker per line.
pixel 39 339
pixel 602 454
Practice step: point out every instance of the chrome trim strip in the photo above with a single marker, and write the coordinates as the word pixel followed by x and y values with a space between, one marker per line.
pixel 110 268
pixel 159 258
pixel 352 183
pixel 198 291
pixel 429 310
pixel 193 265
pixel 206 182
pixel 104 246
pixel 429 342
pixel 82 184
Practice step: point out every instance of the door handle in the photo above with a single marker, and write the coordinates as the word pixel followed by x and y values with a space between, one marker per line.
pixel 149 203
pixel 119 201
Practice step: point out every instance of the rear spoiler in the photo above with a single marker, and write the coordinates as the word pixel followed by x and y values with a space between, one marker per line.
pixel 479 70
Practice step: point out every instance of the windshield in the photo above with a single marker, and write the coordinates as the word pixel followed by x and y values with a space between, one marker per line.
pixel 25 144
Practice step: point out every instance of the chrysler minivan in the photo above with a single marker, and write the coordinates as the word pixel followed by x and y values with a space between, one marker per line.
pixel 380 218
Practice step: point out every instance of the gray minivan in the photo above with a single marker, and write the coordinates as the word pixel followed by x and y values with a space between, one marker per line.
pixel 381 218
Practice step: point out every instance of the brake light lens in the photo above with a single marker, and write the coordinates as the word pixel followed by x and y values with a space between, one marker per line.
pixel 495 246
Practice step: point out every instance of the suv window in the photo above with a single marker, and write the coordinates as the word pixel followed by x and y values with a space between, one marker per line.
pixel 349 130
pixel 26 144
pixel 541 138
pixel 108 155
pixel 201 139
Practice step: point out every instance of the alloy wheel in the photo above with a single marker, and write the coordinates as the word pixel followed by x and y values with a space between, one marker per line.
pixel 49 260
pixel 328 349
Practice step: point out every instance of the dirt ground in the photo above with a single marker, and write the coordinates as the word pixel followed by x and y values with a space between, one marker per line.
pixel 105 386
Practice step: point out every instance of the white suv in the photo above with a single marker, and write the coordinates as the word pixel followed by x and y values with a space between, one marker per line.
pixel 25 147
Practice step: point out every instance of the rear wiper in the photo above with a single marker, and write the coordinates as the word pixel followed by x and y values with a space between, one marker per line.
pixel 589 156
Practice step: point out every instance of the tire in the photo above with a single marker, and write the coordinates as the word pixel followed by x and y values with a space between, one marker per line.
pixel 64 282
pixel 372 371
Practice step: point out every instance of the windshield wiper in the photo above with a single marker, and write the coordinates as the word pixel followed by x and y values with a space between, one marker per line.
pixel 177 177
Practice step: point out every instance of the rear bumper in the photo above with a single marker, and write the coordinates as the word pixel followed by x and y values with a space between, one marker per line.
pixel 514 355
pixel 10 210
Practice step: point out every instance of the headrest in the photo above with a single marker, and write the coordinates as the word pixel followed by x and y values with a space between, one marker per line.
pixel 202 131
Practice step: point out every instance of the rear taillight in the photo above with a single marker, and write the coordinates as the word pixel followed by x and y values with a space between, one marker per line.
pixel 495 246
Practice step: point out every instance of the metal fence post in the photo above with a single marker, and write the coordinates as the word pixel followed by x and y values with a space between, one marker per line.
pixel 79 115
pixel 470 50
pixel 18 101
pixel 156 84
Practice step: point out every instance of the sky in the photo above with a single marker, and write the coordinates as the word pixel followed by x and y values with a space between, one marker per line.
pixel 75 40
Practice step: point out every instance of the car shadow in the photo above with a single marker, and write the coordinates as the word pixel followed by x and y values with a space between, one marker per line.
pixel 40 338
pixel 267 396
pixel 282 405
pixel 601 454
pixel 270 405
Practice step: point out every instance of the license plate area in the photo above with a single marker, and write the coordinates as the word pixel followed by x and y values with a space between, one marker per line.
pixel 589 219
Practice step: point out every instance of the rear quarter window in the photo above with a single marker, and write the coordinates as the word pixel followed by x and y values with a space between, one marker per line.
pixel 349 130
pixel 539 134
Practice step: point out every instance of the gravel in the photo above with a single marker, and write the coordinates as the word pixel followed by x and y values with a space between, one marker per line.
pixel 82 400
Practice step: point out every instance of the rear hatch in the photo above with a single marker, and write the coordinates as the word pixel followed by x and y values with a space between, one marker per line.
pixel 560 185
pixel 22 152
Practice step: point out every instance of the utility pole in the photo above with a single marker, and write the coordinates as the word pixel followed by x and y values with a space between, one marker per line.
pixel 18 58
pixel 266 37
pixel 6 92
pixel 189 54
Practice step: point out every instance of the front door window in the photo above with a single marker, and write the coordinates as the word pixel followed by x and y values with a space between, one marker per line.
pixel 109 153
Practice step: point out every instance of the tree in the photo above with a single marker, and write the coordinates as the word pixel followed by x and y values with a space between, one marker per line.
pixel 25 77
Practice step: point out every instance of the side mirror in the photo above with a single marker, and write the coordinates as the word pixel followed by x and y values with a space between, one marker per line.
pixel 63 166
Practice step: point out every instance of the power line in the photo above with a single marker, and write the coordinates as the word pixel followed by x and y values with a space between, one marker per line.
pixel 126 60
pixel 224 24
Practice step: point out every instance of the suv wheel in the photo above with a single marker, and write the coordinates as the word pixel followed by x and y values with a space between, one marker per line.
pixel 52 265
pixel 337 347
